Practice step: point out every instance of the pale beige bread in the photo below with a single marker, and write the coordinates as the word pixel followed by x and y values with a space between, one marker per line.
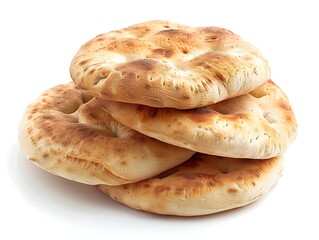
pixel 165 64
pixel 257 125
pixel 205 184
pixel 66 132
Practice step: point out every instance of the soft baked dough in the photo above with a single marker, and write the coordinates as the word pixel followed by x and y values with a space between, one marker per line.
pixel 66 132
pixel 257 125
pixel 165 64
pixel 203 185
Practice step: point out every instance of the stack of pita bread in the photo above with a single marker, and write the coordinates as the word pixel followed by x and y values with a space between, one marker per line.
pixel 165 118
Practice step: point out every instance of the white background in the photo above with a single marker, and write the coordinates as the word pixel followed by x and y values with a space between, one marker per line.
pixel 38 39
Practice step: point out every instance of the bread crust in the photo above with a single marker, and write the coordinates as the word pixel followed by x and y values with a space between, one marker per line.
pixel 165 64
pixel 203 185
pixel 257 125
pixel 66 132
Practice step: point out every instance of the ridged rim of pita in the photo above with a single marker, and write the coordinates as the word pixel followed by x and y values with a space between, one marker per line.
pixel 203 185
pixel 257 125
pixel 165 64
pixel 66 132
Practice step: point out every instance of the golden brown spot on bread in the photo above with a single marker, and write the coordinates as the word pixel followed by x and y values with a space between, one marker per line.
pixel 209 81
pixel 176 33
pixel 284 105
pixel 119 150
pixel 211 184
pixel 92 71
pixel 33 140
pixel 30 130
pixel 45 155
pixel 85 131
pixel 194 175
pixel 139 65
pixel 99 35
pixel 123 162
pixel 46 127
pixel 185 51
pixel 179 191
pixel 147 86
pixel 47 117
pixel 219 76
pixel 232 190
pixel 146 185
pixel 100 38
pixel 179 40
pixel 129 42
pixel 258 94
pixel 186 97
pixel 126 44
pixel 214 63
pixel 202 114
pixel 32 159
pixel 34 111
pixel 65 142
pixel 161 189
pixel 211 38
pixel 55 152
pixel 139 31
pixel 83 62
pixel 163 52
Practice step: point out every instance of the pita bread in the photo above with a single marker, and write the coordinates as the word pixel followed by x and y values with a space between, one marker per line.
pixel 203 185
pixel 257 125
pixel 67 133
pixel 165 64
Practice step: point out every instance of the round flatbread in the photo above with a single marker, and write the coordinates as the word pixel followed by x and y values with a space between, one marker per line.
pixel 66 132
pixel 203 185
pixel 257 125
pixel 165 64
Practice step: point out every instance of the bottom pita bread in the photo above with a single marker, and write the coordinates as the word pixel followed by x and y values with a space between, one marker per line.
pixel 203 185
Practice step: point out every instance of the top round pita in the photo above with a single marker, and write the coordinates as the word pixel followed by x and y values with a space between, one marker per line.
pixel 165 64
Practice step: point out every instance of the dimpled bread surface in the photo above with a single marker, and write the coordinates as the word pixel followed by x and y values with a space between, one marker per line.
pixel 165 64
